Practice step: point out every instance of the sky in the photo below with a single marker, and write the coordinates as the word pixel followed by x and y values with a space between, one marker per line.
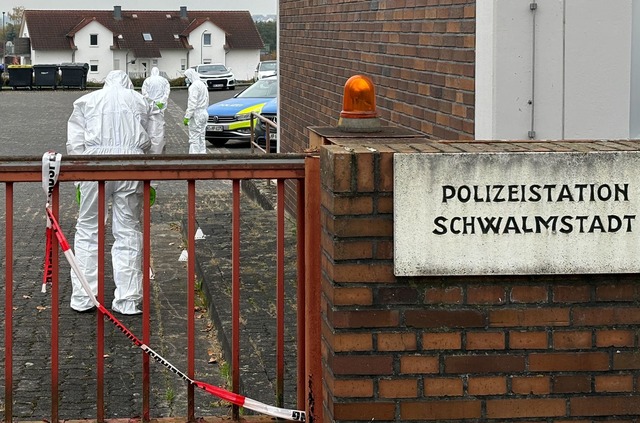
pixel 256 7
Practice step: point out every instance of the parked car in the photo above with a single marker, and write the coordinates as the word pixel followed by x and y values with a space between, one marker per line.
pixel 269 111
pixel 266 68
pixel 231 119
pixel 216 76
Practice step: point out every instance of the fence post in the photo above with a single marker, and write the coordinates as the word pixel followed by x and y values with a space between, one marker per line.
pixel 313 323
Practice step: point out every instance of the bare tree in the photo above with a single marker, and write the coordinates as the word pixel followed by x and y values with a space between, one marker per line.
pixel 16 16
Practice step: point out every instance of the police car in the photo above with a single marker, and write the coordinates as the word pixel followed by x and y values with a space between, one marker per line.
pixel 231 119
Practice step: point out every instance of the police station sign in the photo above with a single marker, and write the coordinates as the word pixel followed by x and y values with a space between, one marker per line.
pixel 516 213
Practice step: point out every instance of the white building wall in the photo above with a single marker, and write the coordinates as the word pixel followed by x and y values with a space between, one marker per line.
pixel 577 85
pixel 634 126
pixel 50 57
pixel 214 53
pixel 102 53
pixel 243 63
pixel 171 61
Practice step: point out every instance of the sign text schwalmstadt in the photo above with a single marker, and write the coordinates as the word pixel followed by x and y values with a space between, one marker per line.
pixel 516 213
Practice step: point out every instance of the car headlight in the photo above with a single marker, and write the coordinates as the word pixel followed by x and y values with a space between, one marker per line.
pixel 243 116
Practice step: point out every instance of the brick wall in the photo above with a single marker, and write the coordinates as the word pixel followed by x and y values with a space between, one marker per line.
pixel 524 349
pixel 420 55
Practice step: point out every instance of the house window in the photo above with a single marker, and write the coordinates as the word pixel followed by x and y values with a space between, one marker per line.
pixel 154 62
pixel 93 66
pixel 147 36
pixel 93 40
pixel 206 39
pixel 183 64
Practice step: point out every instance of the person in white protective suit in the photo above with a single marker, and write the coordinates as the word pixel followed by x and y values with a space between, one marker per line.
pixel 112 120
pixel 156 90
pixel 196 115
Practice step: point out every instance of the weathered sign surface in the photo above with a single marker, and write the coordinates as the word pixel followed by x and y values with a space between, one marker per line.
pixel 516 213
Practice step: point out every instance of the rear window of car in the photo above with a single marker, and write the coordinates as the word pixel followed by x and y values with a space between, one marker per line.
pixel 267 66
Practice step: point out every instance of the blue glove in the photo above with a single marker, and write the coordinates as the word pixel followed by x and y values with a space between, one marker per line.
pixel 185 121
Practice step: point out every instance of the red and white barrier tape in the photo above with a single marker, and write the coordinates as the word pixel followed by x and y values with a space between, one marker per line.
pixel 50 171
pixel 233 398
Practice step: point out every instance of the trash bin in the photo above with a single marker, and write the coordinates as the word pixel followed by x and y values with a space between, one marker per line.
pixel 74 75
pixel 45 76
pixel 20 76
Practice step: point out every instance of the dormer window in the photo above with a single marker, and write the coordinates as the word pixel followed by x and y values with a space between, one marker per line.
pixel 93 40
pixel 147 36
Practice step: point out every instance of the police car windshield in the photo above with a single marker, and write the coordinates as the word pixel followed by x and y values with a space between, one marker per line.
pixel 263 88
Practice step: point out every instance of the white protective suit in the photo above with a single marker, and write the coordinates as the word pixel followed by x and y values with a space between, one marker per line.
pixel 111 120
pixel 197 112
pixel 156 90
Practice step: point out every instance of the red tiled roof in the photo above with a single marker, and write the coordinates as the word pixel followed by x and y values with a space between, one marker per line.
pixel 54 29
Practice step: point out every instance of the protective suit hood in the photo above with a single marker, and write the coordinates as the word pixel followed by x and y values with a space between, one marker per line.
pixel 155 71
pixel 118 78
pixel 191 75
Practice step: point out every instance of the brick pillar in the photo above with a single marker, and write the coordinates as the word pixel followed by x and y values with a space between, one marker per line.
pixel 532 348
pixel 357 261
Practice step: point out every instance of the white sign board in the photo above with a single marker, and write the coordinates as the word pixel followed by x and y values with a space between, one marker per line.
pixel 516 213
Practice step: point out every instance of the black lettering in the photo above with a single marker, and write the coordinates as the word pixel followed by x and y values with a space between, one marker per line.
pixel 567 227
pixel 615 223
pixel 489 224
pixel 581 220
pixel 497 197
pixel 606 196
pixel 629 218
pixel 453 230
pixel 622 190
pixel 441 229
pixel 468 223
pixel 448 192
pixel 549 189
pixel 596 224
pixel 513 193
pixel 565 194
pixel 511 225
pixel 549 223
pixel 476 195
pixel 525 228
pixel 467 194
pixel 580 188
pixel 534 190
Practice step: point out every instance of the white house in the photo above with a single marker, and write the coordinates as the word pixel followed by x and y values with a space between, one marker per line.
pixel 135 41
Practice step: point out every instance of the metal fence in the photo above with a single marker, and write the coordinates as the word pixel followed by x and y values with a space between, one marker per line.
pixel 233 168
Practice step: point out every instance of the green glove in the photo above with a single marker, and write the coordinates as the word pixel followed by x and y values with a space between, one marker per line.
pixel 152 196
pixel 78 194
pixel 185 121
pixel 160 105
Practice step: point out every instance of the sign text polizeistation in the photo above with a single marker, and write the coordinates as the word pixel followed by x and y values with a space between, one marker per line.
pixel 516 213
